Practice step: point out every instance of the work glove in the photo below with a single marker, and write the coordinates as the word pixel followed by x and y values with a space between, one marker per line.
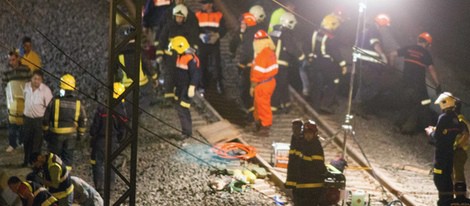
pixel 438 89
pixel 204 38
pixel 191 91
pixel 344 70
pixel 159 59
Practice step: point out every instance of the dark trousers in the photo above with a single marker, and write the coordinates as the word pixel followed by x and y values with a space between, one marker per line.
pixel 33 135
pixel 206 53
pixel 281 98
pixel 169 76
pixel 370 85
pixel 62 145
pixel 98 149
pixel 15 135
pixel 444 184
pixel 414 117
pixel 185 120
pixel 308 197
pixel 323 86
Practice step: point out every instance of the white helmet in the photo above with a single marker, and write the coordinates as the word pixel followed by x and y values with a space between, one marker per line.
pixel 288 20
pixel 446 100
pixel 258 12
pixel 180 10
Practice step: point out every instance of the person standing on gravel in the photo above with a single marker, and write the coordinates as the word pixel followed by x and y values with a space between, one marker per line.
pixel 417 60
pixel 188 76
pixel 37 96
pixel 98 134
pixel 65 121
pixel 460 156
pixel 443 136
pixel 14 80
pixel 211 30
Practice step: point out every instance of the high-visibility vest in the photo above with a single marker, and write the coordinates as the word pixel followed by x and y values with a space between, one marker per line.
pixel 161 2
pixel 211 19
pixel 126 81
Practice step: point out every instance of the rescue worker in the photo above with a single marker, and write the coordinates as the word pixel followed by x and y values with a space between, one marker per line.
pixel 84 194
pixel 327 65
pixel 263 83
pixel 443 136
pixel 246 55
pixel 153 18
pixel 29 57
pixel 178 26
pixel 276 15
pixel 15 79
pixel 211 30
pixel 460 156
pixel 65 121
pixel 308 182
pixel 31 193
pixel 293 169
pixel 372 61
pixel 56 176
pixel 417 60
pixel 188 75
pixel 98 133
pixel 146 73
pixel 288 54
pixel 246 20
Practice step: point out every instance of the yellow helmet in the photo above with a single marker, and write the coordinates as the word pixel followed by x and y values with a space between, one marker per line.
pixel 446 100
pixel 331 22
pixel 118 88
pixel 67 82
pixel 179 44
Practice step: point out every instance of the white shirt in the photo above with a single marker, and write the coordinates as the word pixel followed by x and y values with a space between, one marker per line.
pixel 35 103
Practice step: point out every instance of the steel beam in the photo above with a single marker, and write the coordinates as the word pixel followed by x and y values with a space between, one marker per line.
pixel 129 141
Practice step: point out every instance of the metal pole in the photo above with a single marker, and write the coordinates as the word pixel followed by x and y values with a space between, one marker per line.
pixel 116 45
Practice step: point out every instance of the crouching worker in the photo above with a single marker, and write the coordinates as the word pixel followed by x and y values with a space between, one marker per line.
pixel 31 193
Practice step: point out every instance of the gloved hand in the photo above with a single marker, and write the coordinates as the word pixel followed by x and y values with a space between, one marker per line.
pixel 191 91
pixel 213 37
pixel 310 58
pixel 159 59
pixel 240 68
pixel 438 89
pixel 344 70
pixel 204 38
pixel 252 91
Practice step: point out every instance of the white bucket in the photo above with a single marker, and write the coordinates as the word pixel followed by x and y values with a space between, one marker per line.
pixel 358 198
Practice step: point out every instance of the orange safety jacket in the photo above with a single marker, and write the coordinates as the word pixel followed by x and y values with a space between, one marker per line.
pixel 211 19
pixel 264 66
pixel 188 73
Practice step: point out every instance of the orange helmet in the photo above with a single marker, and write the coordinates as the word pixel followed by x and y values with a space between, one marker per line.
pixel 249 19
pixel 261 34
pixel 426 36
pixel 382 20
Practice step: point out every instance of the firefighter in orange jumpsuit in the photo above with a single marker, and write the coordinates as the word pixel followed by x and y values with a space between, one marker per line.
pixel 263 70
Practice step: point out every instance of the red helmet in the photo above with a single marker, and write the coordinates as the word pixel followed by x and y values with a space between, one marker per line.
pixel 261 34
pixel 249 19
pixel 426 36
pixel 382 20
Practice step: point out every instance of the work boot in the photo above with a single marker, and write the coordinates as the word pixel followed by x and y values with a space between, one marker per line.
pixel 460 189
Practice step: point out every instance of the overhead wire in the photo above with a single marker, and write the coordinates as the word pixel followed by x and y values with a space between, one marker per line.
pixel 16 10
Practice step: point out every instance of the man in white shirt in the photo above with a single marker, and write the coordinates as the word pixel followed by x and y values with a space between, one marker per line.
pixel 37 96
